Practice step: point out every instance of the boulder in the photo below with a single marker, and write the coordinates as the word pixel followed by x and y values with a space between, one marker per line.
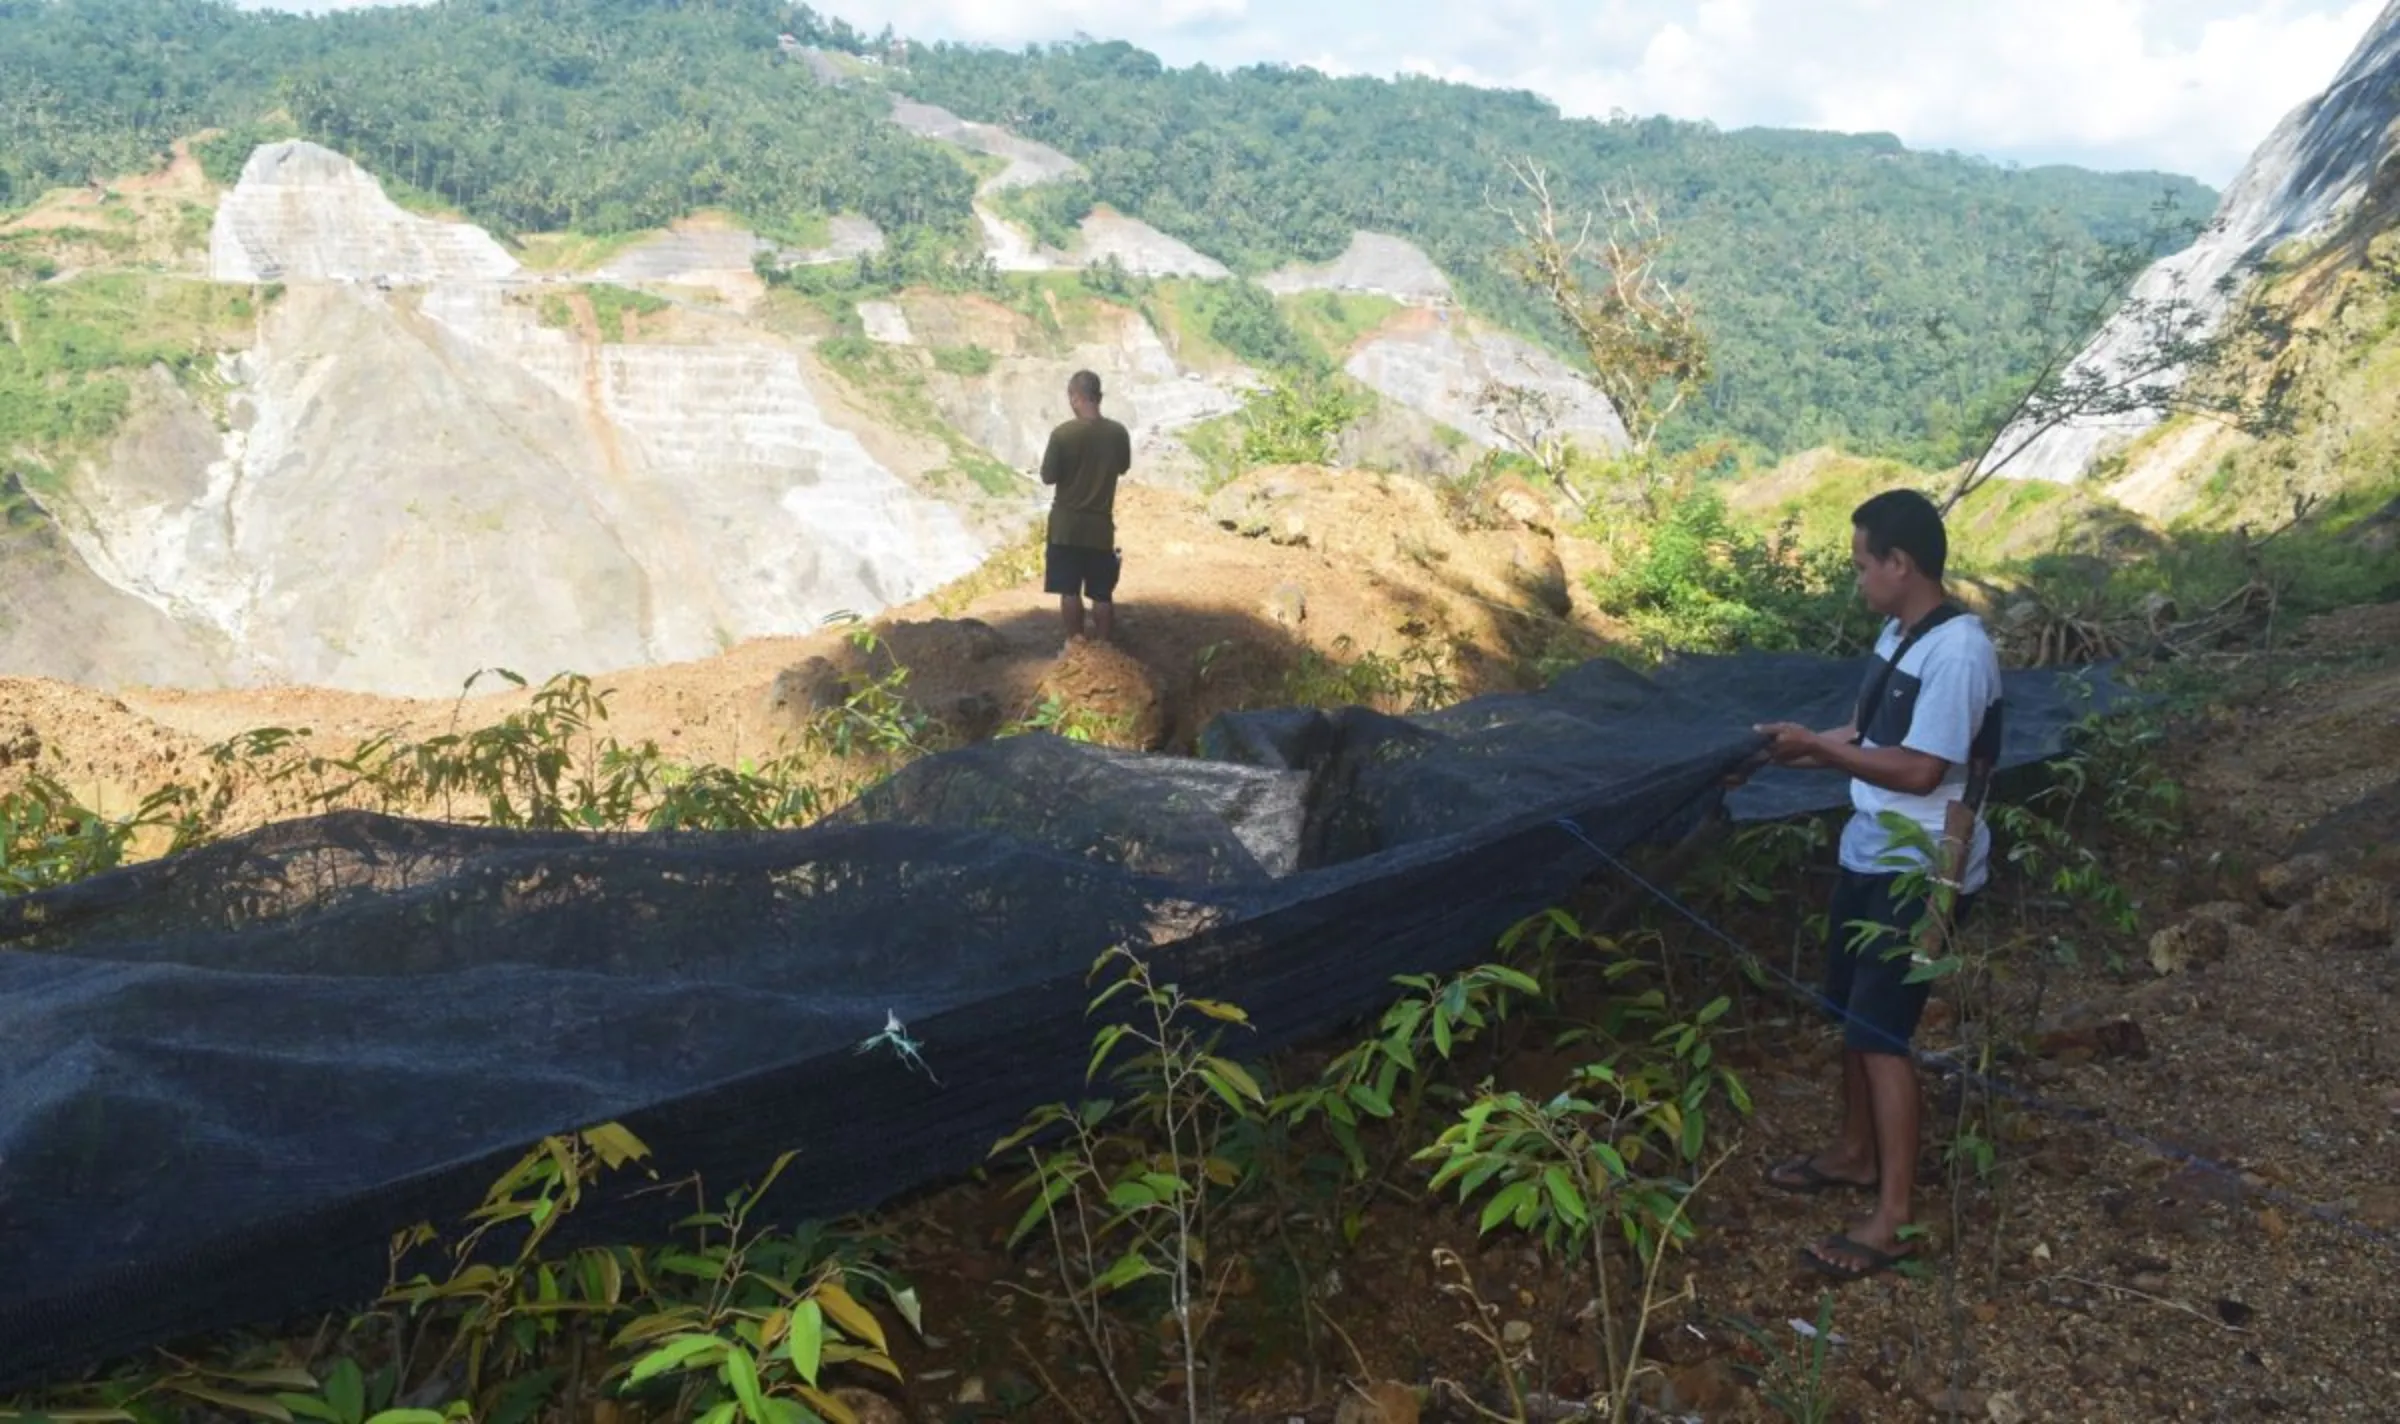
pixel 2208 934
pixel 1534 566
pixel 2291 882
pixel 804 689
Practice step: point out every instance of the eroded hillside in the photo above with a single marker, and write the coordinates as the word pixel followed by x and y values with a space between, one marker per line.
pixel 417 449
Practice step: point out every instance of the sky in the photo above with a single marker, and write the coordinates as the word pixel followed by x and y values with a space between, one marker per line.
pixel 2188 86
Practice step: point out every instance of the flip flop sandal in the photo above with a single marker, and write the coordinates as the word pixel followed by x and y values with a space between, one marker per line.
pixel 1801 1177
pixel 1876 1261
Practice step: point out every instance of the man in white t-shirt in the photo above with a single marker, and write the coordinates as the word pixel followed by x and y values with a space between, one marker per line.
pixel 1921 744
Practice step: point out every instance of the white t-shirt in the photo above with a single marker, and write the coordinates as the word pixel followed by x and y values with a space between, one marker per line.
pixel 1943 700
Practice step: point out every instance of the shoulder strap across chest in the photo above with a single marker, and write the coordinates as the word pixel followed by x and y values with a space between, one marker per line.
pixel 1873 694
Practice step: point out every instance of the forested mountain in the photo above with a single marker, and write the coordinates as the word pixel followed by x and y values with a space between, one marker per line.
pixel 1857 292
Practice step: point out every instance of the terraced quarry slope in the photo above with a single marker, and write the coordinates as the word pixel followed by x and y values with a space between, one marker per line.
pixel 429 450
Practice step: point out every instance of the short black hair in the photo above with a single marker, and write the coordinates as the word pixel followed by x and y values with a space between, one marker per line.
pixel 1906 520
pixel 1085 384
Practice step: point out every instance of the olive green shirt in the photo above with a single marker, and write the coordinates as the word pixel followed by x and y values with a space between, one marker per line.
pixel 1083 461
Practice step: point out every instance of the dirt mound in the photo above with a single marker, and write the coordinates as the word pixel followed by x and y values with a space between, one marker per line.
pixel 96 746
pixel 1115 691
pixel 1399 528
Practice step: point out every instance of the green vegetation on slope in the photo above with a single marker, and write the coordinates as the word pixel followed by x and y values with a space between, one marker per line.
pixel 1856 292
pixel 69 351
pixel 1336 321
pixel 895 381
pixel 610 307
pixel 2338 382
pixel 597 115
pixel 1239 317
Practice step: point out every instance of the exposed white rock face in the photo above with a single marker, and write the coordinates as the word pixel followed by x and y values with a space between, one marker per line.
pixel 1140 248
pixel 1028 162
pixel 2309 171
pixel 1373 262
pixel 1011 250
pixel 847 237
pixel 723 258
pixel 1438 362
pixel 302 213
pixel 885 322
pixel 419 477
pixel 694 256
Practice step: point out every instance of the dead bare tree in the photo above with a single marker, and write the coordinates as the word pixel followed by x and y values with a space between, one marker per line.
pixel 1529 421
pixel 1600 270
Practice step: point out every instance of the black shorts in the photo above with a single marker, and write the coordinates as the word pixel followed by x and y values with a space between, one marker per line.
pixel 1089 573
pixel 1866 984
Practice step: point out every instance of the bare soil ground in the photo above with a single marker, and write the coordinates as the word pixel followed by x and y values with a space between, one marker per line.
pixel 1351 564
pixel 2196 1221
pixel 157 219
pixel 2193 1218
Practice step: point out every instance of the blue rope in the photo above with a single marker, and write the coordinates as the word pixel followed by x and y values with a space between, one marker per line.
pixel 2155 1146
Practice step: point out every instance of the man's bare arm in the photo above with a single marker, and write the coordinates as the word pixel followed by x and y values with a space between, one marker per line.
pixel 1808 761
pixel 1892 768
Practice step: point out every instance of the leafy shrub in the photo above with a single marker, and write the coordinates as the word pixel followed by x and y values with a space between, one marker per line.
pixel 1297 420
pixel 1243 318
pixel 1417 680
pixel 1704 583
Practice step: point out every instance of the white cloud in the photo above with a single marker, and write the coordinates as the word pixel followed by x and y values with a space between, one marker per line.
pixel 2186 85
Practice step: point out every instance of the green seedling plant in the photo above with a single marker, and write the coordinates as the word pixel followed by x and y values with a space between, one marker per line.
pixel 755 1318
pixel 1669 1064
pixel 1059 717
pixel 1419 678
pixel 1126 1192
pixel 499 1315
pixel 1387 1076
pixel 1570 1171
pixel 1800 1387
pixel 48 838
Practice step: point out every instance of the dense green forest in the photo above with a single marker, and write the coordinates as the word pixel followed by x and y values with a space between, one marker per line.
pixel 1857 292
pixel 591 115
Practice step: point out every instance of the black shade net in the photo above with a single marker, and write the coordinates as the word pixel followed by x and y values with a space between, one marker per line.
pixel 229 1076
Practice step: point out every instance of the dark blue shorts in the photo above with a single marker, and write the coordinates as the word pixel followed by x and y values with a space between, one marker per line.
pixel 1866 985
pixel 1087 573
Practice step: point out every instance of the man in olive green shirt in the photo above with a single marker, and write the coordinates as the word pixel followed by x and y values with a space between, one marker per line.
pixel 1085 457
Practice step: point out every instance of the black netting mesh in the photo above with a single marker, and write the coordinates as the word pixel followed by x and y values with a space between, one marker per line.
pixel 227 1077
